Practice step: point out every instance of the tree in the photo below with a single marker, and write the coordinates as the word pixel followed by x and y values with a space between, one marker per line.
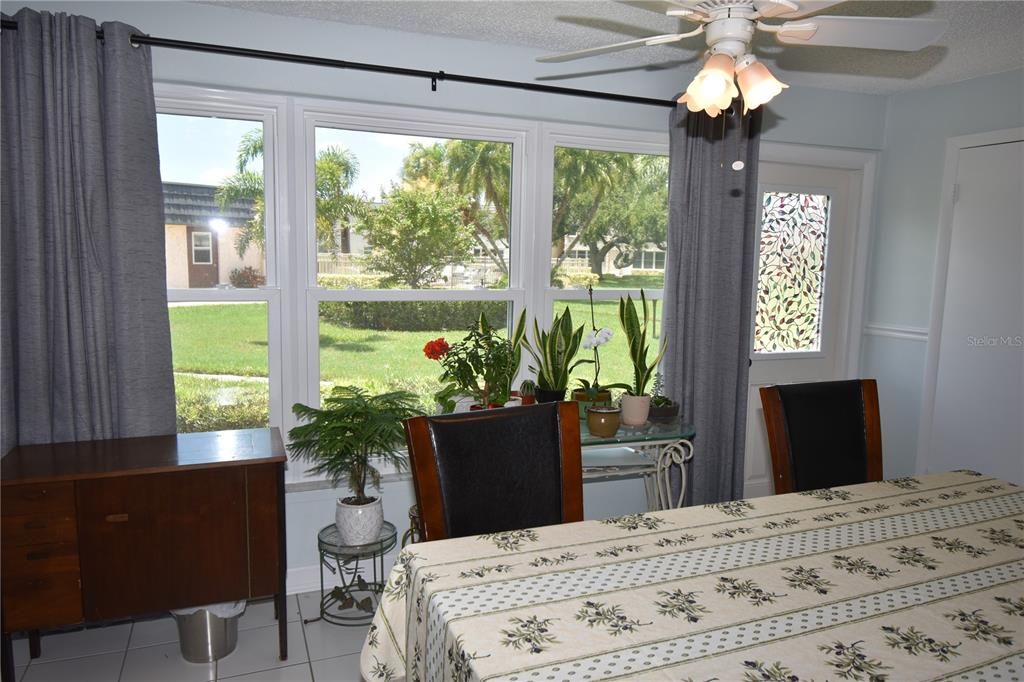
pixel 583 178
pixel 481 172
pixel 415 233
pixel 336 171
pixel 606 201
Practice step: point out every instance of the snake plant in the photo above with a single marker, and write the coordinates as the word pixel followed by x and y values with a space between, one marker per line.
pixel 553 351
pixel 637 341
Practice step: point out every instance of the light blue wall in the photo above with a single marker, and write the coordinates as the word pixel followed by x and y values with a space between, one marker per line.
pixel 906 229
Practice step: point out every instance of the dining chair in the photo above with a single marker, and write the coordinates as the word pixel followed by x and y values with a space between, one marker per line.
pixel 823 434
pixel 489 471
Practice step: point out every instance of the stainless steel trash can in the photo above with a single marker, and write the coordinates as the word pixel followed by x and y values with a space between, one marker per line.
pixel 205 637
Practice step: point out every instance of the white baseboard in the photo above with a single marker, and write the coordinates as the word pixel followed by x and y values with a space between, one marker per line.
pixel 303 579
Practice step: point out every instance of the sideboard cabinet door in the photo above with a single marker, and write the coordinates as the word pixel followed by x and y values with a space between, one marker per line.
pixel 161 541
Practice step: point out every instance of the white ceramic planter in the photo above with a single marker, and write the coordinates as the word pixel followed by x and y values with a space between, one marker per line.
pixel 359 524
pixel 635 409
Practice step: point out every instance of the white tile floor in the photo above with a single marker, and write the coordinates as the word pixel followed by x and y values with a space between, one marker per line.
pixel 147 651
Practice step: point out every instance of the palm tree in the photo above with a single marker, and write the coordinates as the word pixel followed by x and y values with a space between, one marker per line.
pixel 583 178
pixel 336 171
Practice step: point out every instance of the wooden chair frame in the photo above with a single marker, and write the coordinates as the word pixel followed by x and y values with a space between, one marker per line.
pixel 427 483
pixel 778 435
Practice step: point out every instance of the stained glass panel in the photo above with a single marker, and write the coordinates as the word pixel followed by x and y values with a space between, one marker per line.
pixel 791 273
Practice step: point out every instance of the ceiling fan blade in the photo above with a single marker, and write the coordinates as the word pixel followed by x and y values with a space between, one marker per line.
pixel 784 8
pixel 875 33
pixel 605 49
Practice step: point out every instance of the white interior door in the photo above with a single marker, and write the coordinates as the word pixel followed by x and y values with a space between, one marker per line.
pixel 807 228
pixel 977 421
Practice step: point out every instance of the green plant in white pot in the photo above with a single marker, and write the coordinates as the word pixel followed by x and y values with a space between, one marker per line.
pixel 636 404
pixel 342 439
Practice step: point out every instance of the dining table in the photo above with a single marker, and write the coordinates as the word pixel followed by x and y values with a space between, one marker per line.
pixel 912 578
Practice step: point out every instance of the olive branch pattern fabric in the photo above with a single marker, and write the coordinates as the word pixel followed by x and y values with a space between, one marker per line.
pixel 918 578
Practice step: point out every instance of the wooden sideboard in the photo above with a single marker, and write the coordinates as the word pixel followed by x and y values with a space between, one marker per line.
pixel 108 529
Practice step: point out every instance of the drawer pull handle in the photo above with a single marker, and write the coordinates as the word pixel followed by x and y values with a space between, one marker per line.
pixel 37 556
pixel 117 518
pixel 35 525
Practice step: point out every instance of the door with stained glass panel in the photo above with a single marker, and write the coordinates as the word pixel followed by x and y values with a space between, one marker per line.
pixel 802 291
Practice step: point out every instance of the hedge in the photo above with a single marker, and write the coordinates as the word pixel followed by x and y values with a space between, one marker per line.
pixel 412 316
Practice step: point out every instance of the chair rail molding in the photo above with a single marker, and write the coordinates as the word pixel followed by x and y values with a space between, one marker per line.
pixel 894 331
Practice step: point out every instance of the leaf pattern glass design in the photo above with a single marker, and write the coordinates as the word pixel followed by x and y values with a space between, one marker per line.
pixel 791 272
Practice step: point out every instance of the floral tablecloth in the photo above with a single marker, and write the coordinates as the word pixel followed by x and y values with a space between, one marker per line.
pixel 908 579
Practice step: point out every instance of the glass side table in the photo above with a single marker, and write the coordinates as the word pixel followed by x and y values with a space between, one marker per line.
pixel 355 600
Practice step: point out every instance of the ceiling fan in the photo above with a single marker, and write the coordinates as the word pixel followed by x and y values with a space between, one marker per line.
pixel 729 27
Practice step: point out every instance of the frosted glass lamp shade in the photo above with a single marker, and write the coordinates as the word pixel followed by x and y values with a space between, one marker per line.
pixel 713 88
pixel 757 84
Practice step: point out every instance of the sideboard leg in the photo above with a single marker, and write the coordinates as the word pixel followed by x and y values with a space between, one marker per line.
pixel 35 649
pixel 7 671
pixel 281 598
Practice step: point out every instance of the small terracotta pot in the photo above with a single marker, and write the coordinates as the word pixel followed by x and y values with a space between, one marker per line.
pixel 603 421
pixel 528 399
pixel 635 409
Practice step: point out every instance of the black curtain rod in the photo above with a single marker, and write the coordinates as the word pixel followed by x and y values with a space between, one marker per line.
pixel 434 76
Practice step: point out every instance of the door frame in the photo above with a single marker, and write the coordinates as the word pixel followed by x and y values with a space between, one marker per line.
pixel 851 319
pixel 954 145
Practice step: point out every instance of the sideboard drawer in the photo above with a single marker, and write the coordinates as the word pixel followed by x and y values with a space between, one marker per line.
pixel 43 600
pixel 39 498
pixel 37 529
pixel 34 560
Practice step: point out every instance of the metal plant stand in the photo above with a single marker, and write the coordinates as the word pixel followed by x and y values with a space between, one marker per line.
pixel 355 600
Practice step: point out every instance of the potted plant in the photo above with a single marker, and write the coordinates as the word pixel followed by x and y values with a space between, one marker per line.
pixel 664 410
pixel 591 394
pixel 553 352
pixel 341 437
pixel 528 391
pixel 481 365
pixel 636 403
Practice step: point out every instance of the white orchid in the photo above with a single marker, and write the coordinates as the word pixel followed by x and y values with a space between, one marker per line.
pixel 596 338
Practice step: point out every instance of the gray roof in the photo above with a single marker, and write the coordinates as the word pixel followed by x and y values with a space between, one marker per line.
pixel 186 204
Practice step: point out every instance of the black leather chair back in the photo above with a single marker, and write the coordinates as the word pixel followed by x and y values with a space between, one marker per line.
pixel 823 434
pixel 496 470
pixel 826 430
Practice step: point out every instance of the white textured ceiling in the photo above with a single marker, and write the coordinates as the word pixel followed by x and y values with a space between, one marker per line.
pixel 983 38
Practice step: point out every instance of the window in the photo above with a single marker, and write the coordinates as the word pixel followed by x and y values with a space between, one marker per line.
pixel 413 240
pixel 609 219
pixel 791 272
pixel 218 217
pixel 202 248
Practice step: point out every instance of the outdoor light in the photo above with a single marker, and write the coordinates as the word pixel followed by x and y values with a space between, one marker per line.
pixel 712 89
pixel 756 82
pixel 218 224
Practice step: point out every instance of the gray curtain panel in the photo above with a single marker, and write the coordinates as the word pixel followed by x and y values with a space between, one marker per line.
pixel 85 333
pixel 711 262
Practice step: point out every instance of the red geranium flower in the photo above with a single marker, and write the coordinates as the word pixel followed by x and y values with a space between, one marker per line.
pixel 436 349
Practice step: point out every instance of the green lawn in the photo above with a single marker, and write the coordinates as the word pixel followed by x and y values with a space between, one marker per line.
pixel 232 340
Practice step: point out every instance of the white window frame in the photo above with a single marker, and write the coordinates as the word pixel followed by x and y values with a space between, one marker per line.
pixel 272 112
pixel 208 248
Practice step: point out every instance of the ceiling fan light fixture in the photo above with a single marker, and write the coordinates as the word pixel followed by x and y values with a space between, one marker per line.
pixel 756 82
pixel 713 88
